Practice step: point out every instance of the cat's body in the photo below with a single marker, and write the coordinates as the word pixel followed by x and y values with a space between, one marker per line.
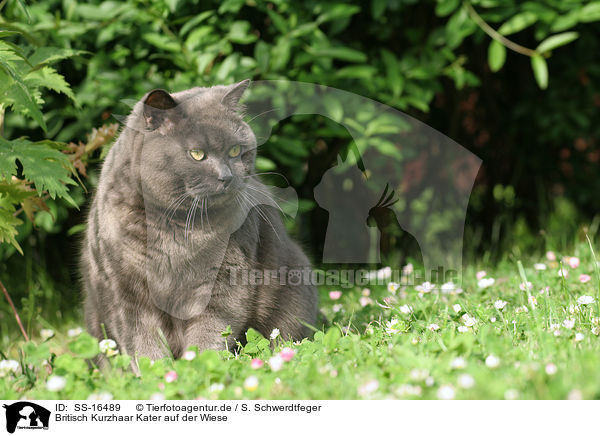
pixel 166 232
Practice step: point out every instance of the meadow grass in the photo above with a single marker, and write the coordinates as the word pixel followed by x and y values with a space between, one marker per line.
pixel 531 333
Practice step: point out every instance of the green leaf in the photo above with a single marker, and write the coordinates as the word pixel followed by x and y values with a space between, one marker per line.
pixel 356 72
pixel 590 12
pixel 518 23
pixel 239 32
pixel 85 346
pixel 9 223
pixel 446 7
pixel 19 95
pixel 342 53
pixel 47 77
pixel 555 41
pixel 163 42
pixel 48 55
pixel 331 338
pixel 496 55
pixel 46 167
pixel 540 71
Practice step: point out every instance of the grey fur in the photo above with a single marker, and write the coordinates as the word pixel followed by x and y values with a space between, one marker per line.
pixel 149 262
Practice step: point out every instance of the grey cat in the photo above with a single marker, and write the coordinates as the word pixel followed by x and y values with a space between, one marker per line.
pixel 178 215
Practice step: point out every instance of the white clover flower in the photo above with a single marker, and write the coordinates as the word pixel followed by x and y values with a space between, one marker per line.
pixel 429 381
pixel 274 334
pixel 466 381
pixel 425 287
pixel 573 308
pixel 540 266
pixel 108 347
pixel 462 329
pixel 585 299
pixel 522 309
pixel 456 308
pixel 419 374
pixel 555 329
pixel 500 304
pixel 579 337
pixel 56 383
pixel 486 282
pixel 551 369
pixel 595 320
pixel 468 320
pixel 575 394
pixel 393 327
pixel 189 355
pixel 511 394
pixel 216 387
pixel 409 390
pixel 596 330
pixel 458 363
pixel 568 323
pixel 532 300
pixel 392 287
pixel 46 334
pixel 433 327
pixel 448 287
pixel 276 362
pixel 100 396
pixel 8 366
pixel 407 269
pixel 492 361
pixel 563 273
pixel 368 388
pixel 406 309
pixel 526 285
pixel 336 308
pixel 251 383
pixel 72 333
pixel 446 392
pixel 381 274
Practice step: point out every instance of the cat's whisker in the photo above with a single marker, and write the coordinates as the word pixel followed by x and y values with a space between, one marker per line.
pixel 188 219
pixel 249 198
pixel 194 207
pixel 266 197
pixel 266 173
pixel 206 211
pixel 261 114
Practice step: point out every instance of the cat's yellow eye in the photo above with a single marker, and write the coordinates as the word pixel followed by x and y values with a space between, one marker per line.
pixel 197 154
pixel 235 151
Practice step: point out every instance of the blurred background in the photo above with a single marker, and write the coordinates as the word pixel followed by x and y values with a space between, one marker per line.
pixel 516 83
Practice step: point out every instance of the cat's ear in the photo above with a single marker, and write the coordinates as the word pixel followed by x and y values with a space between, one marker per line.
pixel 234 94
pixel 157 110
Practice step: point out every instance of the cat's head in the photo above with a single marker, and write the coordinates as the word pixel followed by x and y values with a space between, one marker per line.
pixel 195 143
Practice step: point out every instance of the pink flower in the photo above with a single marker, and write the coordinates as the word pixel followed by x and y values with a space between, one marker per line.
pixel 584 278
pixel 287 354
pixel 256 363
pixel 335 295
pixel 480 274
pixel 364 301
pixel 171 376
pixel 550 256
pixel 573 262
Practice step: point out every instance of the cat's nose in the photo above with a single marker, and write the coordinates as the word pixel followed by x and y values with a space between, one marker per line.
pixel 226 179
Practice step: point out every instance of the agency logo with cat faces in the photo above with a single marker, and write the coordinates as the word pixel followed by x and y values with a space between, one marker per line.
pixel 24 415
pixel 395 168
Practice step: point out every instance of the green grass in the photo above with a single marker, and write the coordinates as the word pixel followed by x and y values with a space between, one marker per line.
pixel 362 353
